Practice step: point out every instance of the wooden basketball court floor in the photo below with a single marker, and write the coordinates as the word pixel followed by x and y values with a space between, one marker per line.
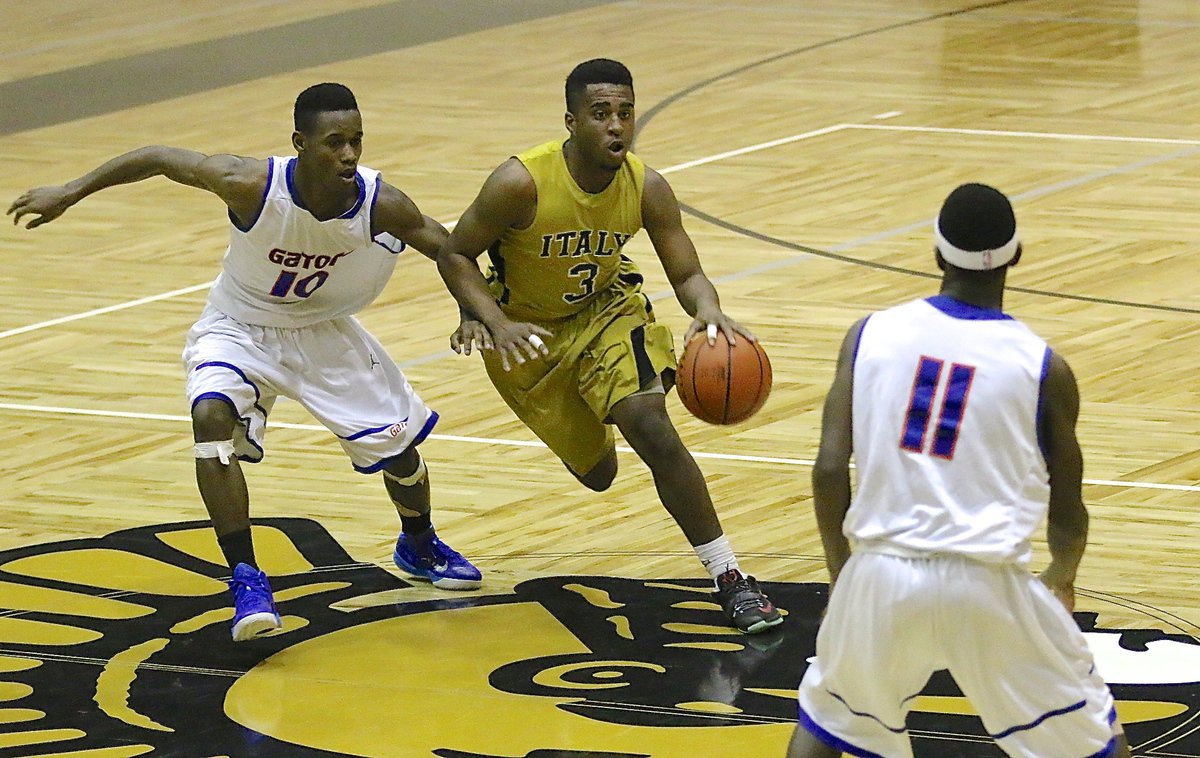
pixel 810 143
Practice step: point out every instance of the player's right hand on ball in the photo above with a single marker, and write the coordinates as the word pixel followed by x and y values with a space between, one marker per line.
pixel 712 322
pixel 517 340
pixel 46 203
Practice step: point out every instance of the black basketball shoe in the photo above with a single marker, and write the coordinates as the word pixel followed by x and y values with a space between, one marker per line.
pixel 745 604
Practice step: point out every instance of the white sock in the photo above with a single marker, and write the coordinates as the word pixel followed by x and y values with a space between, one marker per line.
pixel 717 556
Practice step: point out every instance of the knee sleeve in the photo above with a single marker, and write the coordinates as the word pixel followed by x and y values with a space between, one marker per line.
pixel 222 450
pixel 413 478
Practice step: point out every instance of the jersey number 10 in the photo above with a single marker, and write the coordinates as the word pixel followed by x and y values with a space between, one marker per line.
pixel 954 404
pixel 287 283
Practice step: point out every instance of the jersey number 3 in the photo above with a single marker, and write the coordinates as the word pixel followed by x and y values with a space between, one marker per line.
pixel 954 404
pixel 586 274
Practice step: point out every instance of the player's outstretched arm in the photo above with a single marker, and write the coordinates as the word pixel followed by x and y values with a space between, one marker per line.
pixel 694 290
pixel 1067 521
pixel 507 199
pixel 831 472
pixel 396 214
pixel 238 181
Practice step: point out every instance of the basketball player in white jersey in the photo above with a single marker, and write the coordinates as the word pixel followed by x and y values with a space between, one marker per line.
pixel 962 425
pixel 313 239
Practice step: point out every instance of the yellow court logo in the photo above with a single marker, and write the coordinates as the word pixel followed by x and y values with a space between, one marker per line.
pixel 119 646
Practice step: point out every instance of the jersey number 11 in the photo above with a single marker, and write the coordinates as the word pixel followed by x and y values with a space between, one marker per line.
pixel 949 420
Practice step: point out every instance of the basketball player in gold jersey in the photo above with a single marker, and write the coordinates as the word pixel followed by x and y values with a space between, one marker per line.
pixel 574 346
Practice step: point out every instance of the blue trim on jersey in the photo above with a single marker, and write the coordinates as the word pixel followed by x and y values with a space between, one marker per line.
pixel 245 422
pixel 1110 750
pixel 425 430
pixel 858 342
pixel 372 430
pixel 421 435
pixel 362 196
pixel 966 311
pixel 242 374
pixel 866 715
pixel 371 210
pixel 290 174
pixel 397 251
pixel 262 203
pixel 833 741
pixel 375 467
pixel 1048 715
pixel 1041 406
pixel 371 222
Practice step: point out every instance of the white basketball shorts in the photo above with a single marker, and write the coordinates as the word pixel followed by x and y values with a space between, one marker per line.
pixel 1011 646
pixel 335 369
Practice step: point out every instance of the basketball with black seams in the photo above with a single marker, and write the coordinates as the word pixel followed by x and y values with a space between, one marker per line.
pixel 723 383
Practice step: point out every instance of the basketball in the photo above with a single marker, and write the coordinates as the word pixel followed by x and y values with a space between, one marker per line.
pixel 723 383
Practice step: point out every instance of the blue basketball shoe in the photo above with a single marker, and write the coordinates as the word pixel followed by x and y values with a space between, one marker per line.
pixel 427 558
pixel 253 604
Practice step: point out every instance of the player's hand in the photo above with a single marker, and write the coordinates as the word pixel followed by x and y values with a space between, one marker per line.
pixel 1060 587
pixel 45 203
pixel 519 340
pixel 714 320
pixel 470 334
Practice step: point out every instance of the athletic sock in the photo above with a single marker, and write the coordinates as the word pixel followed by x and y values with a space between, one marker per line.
pixel 237 548
pixel 717 557
pixel 414 525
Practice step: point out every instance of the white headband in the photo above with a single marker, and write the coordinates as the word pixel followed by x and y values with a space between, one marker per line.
pixel 975 260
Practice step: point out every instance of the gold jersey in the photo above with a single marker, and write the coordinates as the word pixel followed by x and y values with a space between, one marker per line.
pixel 572 250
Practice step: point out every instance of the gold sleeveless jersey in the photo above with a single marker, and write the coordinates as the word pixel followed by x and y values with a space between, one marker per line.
pixel 572 250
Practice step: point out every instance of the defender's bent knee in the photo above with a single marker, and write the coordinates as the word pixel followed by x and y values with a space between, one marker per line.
pixel 602 474
pixel 212 420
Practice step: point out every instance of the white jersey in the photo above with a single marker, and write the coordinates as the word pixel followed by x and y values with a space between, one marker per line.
pixel 287 269
pixel 947 402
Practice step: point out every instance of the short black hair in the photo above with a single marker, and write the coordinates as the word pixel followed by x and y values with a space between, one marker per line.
pixel 321 98
pixel 977 217
pixel 595 71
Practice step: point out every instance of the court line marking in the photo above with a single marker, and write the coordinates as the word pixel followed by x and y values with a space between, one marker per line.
pixel 755 148
pixel 670 170
pixel 105 309
pixel 1036 135
pixel 521 443
pixel 122 306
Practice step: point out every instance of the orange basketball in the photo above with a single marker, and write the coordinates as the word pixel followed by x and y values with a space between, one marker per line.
pixel 723 383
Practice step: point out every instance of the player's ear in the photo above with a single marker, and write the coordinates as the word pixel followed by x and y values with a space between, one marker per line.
pixel 569 122
pixel 1016 258
pixel 941 262
pixel 298 141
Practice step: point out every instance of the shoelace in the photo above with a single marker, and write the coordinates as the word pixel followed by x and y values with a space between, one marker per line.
pixel 242 589
pixel 241 585
pixel 745 597
pixel 443 551
pixel 435 553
